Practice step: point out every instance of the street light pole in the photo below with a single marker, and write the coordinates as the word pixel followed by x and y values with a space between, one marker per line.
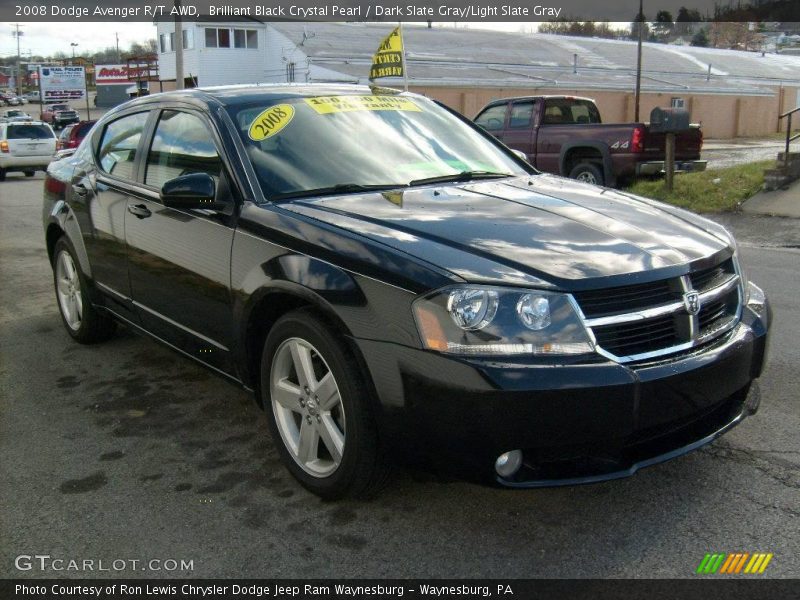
pixel 18 33
pixel 73 44
pixel 640 19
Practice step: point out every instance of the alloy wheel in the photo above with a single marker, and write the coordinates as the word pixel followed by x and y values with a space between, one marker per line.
pixel 68 286
pixel 308 407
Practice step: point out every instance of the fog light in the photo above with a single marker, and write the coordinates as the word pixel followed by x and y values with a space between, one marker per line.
pixel 508 463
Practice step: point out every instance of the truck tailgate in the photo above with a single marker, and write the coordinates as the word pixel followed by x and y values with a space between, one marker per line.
pixel 687 145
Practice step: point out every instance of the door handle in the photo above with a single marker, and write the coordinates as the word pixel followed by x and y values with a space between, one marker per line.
pixel 80 190
pixel 140 210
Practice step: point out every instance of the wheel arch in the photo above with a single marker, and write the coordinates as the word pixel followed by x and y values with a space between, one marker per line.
pixel 268 304
pixel 62 222
pixel 572 149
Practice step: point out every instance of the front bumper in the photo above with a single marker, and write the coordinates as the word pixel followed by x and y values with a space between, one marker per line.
pixel 657 167
pixel 575 422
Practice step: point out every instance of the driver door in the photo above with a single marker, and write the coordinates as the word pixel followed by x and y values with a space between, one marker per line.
pixel 179 260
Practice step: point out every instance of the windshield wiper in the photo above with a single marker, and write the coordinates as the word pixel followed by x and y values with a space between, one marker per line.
pixel 463 176
pixel 339 188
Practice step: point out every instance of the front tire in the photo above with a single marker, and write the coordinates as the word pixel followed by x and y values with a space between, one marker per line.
pixel 81 319
pixel 587 173
pixel 29 173
pixel 318 409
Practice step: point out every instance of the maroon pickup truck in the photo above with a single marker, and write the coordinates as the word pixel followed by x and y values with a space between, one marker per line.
pixel 565 135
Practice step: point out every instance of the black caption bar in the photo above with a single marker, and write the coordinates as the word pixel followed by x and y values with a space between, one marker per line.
pixel 390 10
pixel 290 589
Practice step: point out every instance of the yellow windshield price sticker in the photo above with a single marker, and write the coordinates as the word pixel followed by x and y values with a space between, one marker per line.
pixel 271 122
pixel 333 104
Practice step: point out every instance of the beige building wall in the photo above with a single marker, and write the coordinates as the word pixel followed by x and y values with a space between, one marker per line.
pixel 721 116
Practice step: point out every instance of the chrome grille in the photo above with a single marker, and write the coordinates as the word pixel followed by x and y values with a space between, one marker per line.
pixel 644 321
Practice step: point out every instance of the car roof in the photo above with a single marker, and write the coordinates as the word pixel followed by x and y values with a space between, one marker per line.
pixel 544 97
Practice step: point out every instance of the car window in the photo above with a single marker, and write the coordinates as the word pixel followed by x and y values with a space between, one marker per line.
pixel 569 111
pixel 84 128
pixel 117 151
pixel 64 135
pixel 492 118
pixel 181 145
pixel 29 132
pixel 521 114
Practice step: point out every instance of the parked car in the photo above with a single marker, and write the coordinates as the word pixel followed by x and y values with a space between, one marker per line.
pixel 566 136
pixel 395 284
pixel 72 135
pixel 59 115
pixel 32 96
pixel 7 99
pixel 14 114
pixel 25 146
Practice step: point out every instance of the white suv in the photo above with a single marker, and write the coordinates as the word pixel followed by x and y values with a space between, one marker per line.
pixel 26 147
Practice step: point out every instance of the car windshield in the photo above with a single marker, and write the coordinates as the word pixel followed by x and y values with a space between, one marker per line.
pixel 350 143
pixel 29 132
pixel 60 107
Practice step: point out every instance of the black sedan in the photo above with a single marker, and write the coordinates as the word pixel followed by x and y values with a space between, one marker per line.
pixel 396 285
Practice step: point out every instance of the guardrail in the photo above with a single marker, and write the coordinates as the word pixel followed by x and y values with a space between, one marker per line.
pixel 789 137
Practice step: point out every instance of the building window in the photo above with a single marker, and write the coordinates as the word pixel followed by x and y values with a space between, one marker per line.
pixel 221 38
pixel 165 42
pixel 172 45
pixel 224 38
pixel 245 38
pixel 188 39
pixel 290 72
pixel 677 103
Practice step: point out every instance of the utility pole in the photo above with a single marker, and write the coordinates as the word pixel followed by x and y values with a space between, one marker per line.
pixel 18 79
pixel 179 47
pixel 119 58
pixel 640 19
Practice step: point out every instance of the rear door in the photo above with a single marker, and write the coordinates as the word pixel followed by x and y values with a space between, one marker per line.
pixel 30 139
pixel 179 260
pixel 99 197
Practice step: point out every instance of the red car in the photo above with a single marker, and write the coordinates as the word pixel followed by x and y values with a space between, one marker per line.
pixel 72 135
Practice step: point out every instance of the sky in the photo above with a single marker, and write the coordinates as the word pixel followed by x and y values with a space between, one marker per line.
pixel 48 38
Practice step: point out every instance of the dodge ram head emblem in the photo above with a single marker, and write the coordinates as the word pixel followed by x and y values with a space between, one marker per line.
pixel 691 300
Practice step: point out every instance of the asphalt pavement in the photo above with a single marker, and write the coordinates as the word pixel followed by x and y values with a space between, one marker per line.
pixel 127 451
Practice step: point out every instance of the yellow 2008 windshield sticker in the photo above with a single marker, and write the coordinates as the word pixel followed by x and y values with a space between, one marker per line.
pixel 271 122
pixel 333 104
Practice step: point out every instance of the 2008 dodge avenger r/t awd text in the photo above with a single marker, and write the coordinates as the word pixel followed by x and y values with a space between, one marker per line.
pixel 396 285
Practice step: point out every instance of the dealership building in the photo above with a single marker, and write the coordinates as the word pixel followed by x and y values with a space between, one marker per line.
pixel 731 93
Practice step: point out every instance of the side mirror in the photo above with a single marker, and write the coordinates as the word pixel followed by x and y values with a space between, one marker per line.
pixel 194 191
pixel 519 154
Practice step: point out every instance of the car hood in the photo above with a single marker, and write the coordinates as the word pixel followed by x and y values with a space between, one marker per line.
pixel 537 230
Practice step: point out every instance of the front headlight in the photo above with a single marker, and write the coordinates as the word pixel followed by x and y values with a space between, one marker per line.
pixel 476 319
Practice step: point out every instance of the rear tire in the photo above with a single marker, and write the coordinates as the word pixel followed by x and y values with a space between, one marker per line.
pixel 2 174
pixel 588 173
pixel 29 173
pixel 81 319
pixel 319 409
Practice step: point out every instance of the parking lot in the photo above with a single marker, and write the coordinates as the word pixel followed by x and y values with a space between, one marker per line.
pixel 128 451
